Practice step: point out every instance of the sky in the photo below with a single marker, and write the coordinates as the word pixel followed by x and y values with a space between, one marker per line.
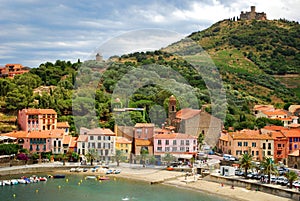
pixel 37 31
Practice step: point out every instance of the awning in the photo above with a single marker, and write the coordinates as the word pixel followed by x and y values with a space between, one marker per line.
pixel 184 156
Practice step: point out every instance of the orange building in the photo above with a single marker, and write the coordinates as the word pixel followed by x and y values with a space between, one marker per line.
pixel 248 141
pixel 10 70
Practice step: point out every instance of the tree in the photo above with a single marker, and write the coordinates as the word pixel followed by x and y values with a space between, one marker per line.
pixel 91 155
pixel 200 140
pixel 291 177
pixel 169 158
pixel 246 162
pixel 144 153
pixel 119 156
pixel 268 167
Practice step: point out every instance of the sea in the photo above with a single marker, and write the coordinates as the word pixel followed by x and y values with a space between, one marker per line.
pixel 78 188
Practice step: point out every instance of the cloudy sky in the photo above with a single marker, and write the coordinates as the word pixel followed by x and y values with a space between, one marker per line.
pixel 37 31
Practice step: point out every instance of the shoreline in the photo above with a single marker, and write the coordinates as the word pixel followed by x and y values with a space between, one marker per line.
pixel 177 180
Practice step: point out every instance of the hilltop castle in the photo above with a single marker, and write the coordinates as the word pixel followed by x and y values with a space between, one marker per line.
pixel 252 15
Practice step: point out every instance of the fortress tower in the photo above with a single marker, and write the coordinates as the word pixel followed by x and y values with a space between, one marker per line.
pixel 253 15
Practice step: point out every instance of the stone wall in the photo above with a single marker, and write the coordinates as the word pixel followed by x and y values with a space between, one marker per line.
pixel 278 191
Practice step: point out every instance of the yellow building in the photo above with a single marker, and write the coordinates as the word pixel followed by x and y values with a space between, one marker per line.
pixel 124 145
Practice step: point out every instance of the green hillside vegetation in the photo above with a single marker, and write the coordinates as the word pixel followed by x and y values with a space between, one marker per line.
pixel 247 54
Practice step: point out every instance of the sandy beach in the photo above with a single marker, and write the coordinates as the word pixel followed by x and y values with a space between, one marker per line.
pixel 177 179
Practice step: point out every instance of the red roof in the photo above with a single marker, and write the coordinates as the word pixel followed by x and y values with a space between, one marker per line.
pixel 101 131
pixel 62 125
pixel 141 142
pixel 275 112
pixel 56 133
pixel 187 113
pixel 142 125
pixel 292 133
pixel 249 135
pixel 31 111
pixel 274 128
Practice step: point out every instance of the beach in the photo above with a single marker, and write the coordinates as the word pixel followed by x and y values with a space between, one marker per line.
pixel 179 180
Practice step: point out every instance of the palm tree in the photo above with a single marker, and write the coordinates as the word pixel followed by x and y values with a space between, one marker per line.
pixel 91 155
pixel 291 177
pixel 268 167
pixel 246 162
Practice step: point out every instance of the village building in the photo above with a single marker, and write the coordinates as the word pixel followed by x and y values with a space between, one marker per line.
pixel 40 141
pixel 10 70
pixel 37 119
pixel 194 122
pixel 124 145
pixel 182 146
pixel 294 159
pixel 103 140
pixel 143 138
pixel 247 141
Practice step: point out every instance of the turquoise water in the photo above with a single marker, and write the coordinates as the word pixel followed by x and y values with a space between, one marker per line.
pixel 79 189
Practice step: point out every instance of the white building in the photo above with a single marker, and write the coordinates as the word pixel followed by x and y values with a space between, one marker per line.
pixel 101 139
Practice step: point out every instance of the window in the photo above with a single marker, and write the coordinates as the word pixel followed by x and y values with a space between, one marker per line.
pixel 99 138
pixel 44 148
pixel 139 132
pixel 279 145
pixel 264 145
pixel 269 153
pixel 239 144
pixel 91 137
pixel 245 144
pixel 181 142
pixel 291 139
pixel 195 142
pixel 159 149
pixel 174 142
pixel 257 153
pixel 187 142
pixel 253 144
pixel 295 146
pixel 181 148
pixel 174 149
pixel 269 145
pixel 167 149
pixel 245 152
pixel 99 145
pixel 252 153
pixel 167 142
pixel 296 139
pixel 159 142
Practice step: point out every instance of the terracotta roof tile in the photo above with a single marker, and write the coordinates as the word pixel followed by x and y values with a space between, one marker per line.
pixel 123 140
pixel 62 124
pixel 138 125
pixel 224 137
pixel 187 113
pixel 73 142
pixel 57 133
pixel 293 108
pixel 100 131
pixel 291 133
pixel 249 135
pixel 263 107
pixel 275 112
pixel 39 111
pixel 67 139
pixel 274 128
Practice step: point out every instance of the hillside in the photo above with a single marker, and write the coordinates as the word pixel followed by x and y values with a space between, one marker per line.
pixel 258 62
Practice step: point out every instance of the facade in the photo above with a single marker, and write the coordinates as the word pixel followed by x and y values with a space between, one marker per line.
pixel 40 141
pixel 294 159
pixel 124 145
pixel 10 70
pixel 103 140
pixel 293 136
pixel 253 15
pixel 248 141
pixel 142 138
pixel 64 126
pixel 180 145
pixel 82 145
pixel 37 119
pixel 69 144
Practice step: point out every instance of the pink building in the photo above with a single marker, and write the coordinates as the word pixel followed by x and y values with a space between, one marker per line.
pixel 37 119
pixel 40 141
pixel 178 144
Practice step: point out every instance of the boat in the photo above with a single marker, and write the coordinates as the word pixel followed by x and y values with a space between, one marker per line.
pixel 90 177
pixel 126 198
pixel 24 181
pixel 14 181
pixel 117 171
pixel 59 176
pixel 42 178
pixel 34 179
pixel 6 182
pixel 170 168
pixel 103 178
pixel 109 171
